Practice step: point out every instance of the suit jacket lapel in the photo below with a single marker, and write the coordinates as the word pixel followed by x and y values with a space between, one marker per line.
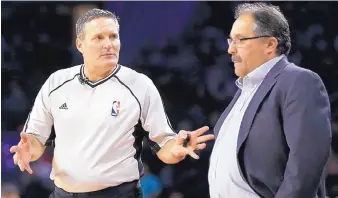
pixel 225 113
pixel 262 91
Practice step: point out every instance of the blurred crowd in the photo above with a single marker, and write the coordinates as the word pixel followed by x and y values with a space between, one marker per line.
pixel 193 73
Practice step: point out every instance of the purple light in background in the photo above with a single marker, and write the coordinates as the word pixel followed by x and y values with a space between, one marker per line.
pixel 149 21
pixel 5 149
pixel 7 140
pixel 10 164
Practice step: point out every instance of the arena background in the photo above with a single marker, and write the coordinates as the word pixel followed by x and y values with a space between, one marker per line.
pixel 181 46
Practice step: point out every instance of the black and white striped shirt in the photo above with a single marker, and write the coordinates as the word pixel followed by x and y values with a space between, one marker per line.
pixel 96 124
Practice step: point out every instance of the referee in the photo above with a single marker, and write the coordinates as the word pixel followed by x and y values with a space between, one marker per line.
pixel 101 111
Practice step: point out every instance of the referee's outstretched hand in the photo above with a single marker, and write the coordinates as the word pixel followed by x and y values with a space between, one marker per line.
pixel 189 141
pixel 22 154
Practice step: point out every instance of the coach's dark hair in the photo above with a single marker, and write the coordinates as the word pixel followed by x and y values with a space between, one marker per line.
pixel 92 14
pixel 269 20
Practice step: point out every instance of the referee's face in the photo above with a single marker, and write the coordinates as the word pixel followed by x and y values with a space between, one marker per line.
pixel 100 43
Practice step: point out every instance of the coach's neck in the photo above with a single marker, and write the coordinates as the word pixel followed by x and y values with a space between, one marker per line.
pixel 97 73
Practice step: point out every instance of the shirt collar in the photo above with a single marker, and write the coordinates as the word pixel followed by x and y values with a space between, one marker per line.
pixel 255 77
pixel 94 84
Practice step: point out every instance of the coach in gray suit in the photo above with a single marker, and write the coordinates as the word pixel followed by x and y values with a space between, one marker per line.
pixel 273 140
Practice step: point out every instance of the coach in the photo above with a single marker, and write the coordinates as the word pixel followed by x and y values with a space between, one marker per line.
pixel 273 140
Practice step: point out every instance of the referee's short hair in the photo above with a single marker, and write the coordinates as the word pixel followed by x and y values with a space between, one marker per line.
pixel 92 14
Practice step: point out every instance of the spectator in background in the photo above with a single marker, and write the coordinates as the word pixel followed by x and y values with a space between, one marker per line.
pixel 3 49
pixel 15 105
pixel 150 183
pixel 9 190
pixel 176 194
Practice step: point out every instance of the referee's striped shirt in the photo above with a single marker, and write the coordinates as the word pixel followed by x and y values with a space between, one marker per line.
pixel 99 126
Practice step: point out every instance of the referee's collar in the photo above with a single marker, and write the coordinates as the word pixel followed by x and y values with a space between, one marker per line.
pixel 94 84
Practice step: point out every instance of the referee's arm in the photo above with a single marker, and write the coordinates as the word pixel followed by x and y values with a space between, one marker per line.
pixel 162 138
pixel 39 122
pixel 156 123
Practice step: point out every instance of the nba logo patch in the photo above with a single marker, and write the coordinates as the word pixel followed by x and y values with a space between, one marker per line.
pixel 115 111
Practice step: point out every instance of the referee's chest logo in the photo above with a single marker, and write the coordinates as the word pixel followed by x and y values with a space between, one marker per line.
pixel 115 111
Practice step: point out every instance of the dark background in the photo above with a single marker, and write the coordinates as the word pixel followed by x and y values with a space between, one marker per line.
pixel 181 46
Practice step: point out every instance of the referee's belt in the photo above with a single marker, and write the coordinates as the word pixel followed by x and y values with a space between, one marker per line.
pixel 114 190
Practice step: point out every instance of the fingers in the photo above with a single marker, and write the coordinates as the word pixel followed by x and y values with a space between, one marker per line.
pixel 201 130
pixel 198 147
pixel 18 160
pixel 24 167
pixel 21 166
pixel 201 146
pixel 24 139
pixel 205 138
pixel 28 168
pixel 182 135
pixel 14 149
pixel 15 159
pixel 194 155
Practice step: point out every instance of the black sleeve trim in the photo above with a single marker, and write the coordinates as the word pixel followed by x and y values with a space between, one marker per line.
pixel 139 104
pixel 63 84
pixel 51 139
pixel 153 145
pixel 25 129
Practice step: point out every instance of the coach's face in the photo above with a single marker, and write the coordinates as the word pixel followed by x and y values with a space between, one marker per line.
pixel 247 55
pixel 100 43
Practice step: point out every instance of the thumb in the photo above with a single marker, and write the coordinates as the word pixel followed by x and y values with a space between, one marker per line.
pixel 182 135
pixel 24 137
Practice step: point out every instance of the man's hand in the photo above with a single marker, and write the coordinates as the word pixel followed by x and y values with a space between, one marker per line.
pixel 22 156
pixel 196 142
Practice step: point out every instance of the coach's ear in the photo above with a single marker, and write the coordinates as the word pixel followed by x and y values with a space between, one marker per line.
pixel 79 45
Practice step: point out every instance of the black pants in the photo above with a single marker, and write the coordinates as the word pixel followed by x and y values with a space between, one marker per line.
pixel 125 190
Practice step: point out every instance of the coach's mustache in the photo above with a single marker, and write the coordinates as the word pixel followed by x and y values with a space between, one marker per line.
pixel 236 59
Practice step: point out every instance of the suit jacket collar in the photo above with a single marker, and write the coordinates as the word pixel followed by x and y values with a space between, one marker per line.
pixel 268 82
pixel 256 76
pixel 249 115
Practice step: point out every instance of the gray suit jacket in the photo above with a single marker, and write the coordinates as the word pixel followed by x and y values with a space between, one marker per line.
pixel 284 139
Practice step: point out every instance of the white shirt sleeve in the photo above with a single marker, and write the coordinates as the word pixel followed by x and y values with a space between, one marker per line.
pixel 154 118
pixel 40 120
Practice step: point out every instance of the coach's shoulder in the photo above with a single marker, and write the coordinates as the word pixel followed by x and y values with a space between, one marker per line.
pixel 300 76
